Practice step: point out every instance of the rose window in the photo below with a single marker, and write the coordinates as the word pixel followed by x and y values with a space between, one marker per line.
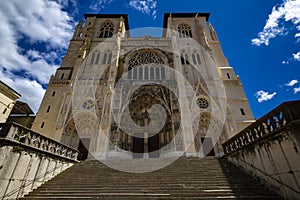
pixel 202 103
pixel 88 104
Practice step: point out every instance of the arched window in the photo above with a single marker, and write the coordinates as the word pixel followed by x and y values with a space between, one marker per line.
pixel 196 59
pixel 157 73
pixel 145 57
pixel 184 59
pixel 152 73
pixel 185 31
pixel 107 57
pixel 148 64
pixel 106 30
pixel 146 73
pixel 129 72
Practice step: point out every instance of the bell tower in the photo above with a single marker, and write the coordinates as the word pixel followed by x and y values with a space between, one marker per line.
pixel 55 111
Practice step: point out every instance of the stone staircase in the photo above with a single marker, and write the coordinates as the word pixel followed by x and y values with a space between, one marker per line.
pixel 186 178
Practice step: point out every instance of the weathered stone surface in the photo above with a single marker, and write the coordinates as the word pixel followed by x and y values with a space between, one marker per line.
pixel 269 149
pixel 186 178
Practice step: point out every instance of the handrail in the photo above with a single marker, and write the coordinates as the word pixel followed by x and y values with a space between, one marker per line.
pixel 20 135
pixel 278 181
pixel 267 125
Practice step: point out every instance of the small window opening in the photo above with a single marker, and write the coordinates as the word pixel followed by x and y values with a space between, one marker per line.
pixel 194 59
pixel 243 111
pixel 43 124
pixel 109 57
pixel 98 58
pixel 228 75
pixel 93 58
pixel 198 59
pixel 104 58
pixel 184 59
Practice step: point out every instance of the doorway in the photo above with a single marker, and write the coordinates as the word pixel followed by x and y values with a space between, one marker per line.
pixel 138 147
pixel 207 146
pixel 83 147
pixel 153 146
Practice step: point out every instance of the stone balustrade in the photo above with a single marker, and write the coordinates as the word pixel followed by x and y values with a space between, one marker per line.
pixel 269 149
pixel 17 134
pixel 28 159
pixel 262 128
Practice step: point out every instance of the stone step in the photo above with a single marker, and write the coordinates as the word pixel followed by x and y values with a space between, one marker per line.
pixel 186 178
pixel 141 194
pixel 156 198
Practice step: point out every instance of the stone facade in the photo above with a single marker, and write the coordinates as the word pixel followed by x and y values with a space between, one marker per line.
pixel 8 98
pixel 144 96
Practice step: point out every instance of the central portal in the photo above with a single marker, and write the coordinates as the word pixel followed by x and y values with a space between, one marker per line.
pixel 155 111
pixel 143 145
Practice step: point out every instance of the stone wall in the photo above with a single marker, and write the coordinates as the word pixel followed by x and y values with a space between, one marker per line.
pixel 269 149
pixel 28 159
pixel 22 171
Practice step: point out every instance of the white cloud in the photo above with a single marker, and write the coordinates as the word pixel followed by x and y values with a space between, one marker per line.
pixel 296 56
pixel 296 90
pixel 31 91
pixel 40 20
pixel 264 96
pixel 41 23
pixel 28 18
pixel 285 62
pixel 289 10
pixel 98 5
pixel 292 82
pixel 145 6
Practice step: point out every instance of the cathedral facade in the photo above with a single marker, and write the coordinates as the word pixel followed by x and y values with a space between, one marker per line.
pixel 115 95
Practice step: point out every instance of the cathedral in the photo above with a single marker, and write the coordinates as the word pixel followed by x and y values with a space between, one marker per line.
pixel 117 96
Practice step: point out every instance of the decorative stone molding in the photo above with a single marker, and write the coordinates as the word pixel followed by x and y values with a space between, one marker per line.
pixel 269 149
pixel 264 127
pixel 28 159
pixel 17 135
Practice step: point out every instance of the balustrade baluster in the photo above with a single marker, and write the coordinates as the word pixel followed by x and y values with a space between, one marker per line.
pixel 274 120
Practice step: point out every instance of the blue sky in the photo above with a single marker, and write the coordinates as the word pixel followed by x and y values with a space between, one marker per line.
pixel 261 40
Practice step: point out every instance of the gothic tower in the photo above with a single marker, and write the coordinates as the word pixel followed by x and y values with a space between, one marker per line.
pixel 120 96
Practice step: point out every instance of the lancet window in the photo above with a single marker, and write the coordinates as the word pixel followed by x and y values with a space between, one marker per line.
pixel 146 65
